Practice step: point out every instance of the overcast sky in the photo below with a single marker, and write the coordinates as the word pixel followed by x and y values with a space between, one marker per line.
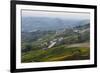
pixel 65 15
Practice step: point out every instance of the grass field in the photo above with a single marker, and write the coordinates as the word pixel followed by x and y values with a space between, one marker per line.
pixel 77 51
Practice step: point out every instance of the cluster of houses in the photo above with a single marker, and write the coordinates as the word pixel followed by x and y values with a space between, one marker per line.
pixel 53 43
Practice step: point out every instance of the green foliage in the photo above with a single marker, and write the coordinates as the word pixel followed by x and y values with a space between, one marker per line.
pixel 32 49
pixel 57 54
pixel 26 47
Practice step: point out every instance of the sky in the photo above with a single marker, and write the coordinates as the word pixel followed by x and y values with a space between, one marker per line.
pixel 64 15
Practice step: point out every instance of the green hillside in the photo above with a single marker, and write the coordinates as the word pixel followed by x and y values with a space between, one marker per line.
pixel 58 53
pixel 63 45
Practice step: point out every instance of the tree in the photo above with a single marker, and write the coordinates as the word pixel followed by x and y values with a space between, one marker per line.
pixel 27 47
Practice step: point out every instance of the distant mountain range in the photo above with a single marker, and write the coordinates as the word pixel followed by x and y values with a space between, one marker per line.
pixel 31 24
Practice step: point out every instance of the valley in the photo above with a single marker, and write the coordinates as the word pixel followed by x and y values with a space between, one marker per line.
pixel 62 44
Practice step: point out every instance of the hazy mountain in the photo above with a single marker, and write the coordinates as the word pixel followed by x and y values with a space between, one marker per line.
pixel 31 24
